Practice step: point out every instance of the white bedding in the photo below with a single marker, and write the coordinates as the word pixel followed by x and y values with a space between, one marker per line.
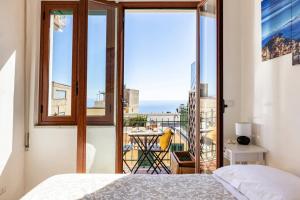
pixel 261 182
pixel 70 186
pixel 231 189
pixel 76 186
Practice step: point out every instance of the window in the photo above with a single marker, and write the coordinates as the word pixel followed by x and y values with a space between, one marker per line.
pixel 100 63
pixel 58 63
pixel 60 95
pixel 59 58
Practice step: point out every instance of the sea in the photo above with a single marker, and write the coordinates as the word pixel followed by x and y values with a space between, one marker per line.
pixel 160 106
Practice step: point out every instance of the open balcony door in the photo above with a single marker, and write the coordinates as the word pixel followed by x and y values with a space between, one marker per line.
pixel 108 16
pixel 208 97
pixel 197 136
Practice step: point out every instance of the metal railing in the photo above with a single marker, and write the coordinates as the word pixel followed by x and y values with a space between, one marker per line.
pixel 180 140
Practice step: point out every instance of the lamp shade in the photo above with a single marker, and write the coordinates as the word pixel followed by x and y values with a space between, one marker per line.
pixel 243 129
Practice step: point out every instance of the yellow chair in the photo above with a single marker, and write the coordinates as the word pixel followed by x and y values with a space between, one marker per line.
pixel 164 140
pixel 160 152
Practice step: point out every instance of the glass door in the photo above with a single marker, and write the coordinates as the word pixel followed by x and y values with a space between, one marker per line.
pixel 97 61
pixel 206 93
pixel 208 88
pixel 101 50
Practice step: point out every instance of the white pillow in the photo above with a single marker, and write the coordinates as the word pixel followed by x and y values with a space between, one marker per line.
pixel 258 182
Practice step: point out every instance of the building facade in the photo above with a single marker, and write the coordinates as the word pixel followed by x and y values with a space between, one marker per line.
pixel 131 98
pixel 60 99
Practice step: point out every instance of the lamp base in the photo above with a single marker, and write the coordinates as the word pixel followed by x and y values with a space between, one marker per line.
pixel 243 140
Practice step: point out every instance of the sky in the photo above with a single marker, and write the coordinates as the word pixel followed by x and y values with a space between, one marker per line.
pixel 62 53
pixel 160 48
pixel 96 56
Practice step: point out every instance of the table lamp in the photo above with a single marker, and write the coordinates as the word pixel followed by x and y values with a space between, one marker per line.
pixel 243 130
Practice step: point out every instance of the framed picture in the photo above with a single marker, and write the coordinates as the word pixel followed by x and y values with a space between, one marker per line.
pixel 296 31
pixel 276 24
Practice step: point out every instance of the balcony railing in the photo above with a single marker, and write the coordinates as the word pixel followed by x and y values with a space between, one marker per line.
pixel 180 140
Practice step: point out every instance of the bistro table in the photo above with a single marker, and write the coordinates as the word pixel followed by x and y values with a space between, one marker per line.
pixel 145 139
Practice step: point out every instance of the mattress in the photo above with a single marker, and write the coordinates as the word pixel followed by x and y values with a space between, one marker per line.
pixel 120 186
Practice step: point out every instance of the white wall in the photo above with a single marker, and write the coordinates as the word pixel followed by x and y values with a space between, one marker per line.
pixel 232 66
pixel 52 149
pixel 12 13
pixel 270 94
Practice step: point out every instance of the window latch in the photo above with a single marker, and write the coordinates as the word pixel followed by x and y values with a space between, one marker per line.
pixel 77 88
pixel 27 141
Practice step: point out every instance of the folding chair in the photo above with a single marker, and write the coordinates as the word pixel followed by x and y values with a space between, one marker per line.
pixel 126 148
pixel 159 152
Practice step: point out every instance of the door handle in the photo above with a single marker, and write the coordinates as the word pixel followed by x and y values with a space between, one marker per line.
pixel 224 106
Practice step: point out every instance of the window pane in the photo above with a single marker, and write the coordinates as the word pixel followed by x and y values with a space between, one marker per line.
pixel 208 87
pixel 60 63
pixel 59 94
pixel 96 80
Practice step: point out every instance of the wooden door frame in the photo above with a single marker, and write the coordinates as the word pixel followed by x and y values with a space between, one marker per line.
pixel 220 94
pixel 82 62
pixel 82 120
pixel 120 70
pixel 82 88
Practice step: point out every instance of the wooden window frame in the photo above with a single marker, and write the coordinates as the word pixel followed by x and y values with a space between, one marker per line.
pixel 44 118
pixel 108 118
pixel 77 76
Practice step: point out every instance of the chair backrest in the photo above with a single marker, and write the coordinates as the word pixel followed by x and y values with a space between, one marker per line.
pixel 166 139
pixel 213 135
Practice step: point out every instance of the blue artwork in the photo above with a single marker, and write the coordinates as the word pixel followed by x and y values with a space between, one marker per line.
pixel 276 28
pixel 296 31
pixel 280 29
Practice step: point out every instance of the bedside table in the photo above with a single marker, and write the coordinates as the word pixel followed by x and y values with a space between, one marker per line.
pixel 244 153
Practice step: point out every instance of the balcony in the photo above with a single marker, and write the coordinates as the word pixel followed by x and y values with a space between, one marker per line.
pixel 181 139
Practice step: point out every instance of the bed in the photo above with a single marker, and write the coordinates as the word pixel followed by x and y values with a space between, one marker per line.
pixel 233 182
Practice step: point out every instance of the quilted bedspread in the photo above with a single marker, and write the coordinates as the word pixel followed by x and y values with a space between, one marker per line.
pixel 147 187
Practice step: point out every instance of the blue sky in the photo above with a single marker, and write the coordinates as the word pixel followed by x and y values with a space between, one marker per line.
pixel 159 50
pixel 208 61
pixel 96 55
pixel 62 53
